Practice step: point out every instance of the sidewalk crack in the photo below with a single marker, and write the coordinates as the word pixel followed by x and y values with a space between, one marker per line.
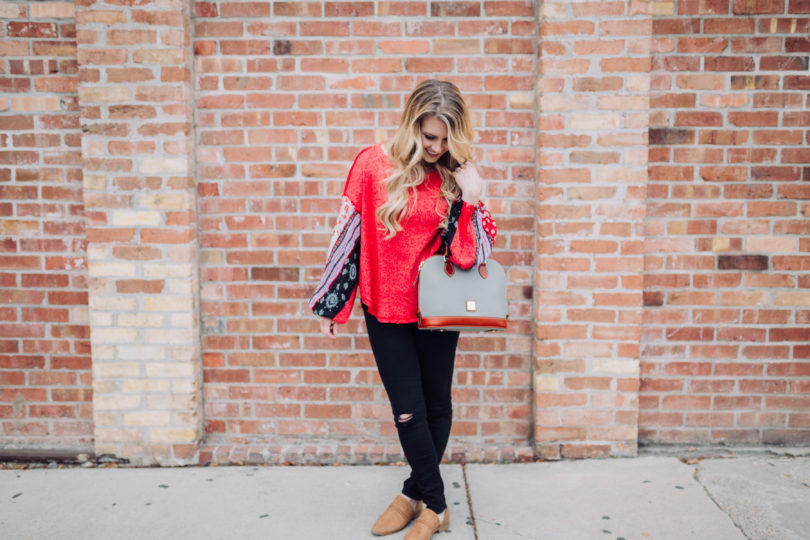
pixel 469 500
pixel 696 476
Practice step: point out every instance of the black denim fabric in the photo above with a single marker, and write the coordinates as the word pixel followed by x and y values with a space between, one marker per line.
pixel 416 368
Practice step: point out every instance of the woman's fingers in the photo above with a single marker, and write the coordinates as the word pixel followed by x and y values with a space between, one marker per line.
pixel 328 327
pixel 466 169
pixel 464 166
pixel 469 181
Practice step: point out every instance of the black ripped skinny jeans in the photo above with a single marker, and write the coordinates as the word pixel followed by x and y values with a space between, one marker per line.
pixel 416 368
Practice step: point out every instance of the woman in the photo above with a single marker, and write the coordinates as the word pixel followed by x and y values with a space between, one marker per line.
pixel 403 202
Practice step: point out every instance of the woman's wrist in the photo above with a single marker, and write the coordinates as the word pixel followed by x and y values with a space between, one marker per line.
pixel 471 197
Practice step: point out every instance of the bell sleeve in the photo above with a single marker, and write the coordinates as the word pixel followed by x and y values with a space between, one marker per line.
pixel 470 234
pixel 335 293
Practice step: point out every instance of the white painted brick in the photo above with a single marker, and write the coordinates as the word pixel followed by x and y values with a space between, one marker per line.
pixel 111 269
pixel 622 367
pixel 130 218
pixel 595 121
pixel 118 434
pixel 163 165
pixel 98 252
pixel 147 418
pixel 145 385
pixel 173 435
pixel 112 335
pixel 162 369
pixel 101 318
pixel 181 320
pixel 93 182
pixel 153 320
pixel 178 336
pixel 186 386
pixel 102 352
pixel 80 315
pixel 176 201
pixel 115 369
pixel 168 303
pixel 187 354
pixel 179 286
pixel 143 353
pixel 104 418
pixel 117 402
pixel 160 270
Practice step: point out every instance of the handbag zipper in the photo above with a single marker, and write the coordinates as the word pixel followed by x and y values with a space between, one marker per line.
pixel 416 280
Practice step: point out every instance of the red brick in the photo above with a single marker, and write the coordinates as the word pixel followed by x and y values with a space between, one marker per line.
pixel 686 402
pixel 798 6
pixel 797 82
pixel 245 9
pixel 297 9
pixel 704 7
pixel 789 334
pixel 784 63
pixel 679 25
pixel 762 386
pixel 32 29
pixel 709 419
pixel 742 262
pixel 758 7
pixel 455 9
pixel 226 375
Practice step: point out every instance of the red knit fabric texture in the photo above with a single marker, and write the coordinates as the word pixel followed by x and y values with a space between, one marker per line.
pixel 389 266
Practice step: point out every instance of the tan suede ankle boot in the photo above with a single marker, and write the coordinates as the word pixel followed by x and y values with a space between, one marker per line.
pixel 427 524
pixel 398 514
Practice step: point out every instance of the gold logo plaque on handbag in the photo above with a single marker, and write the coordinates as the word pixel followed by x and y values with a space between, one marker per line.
pixel 454 299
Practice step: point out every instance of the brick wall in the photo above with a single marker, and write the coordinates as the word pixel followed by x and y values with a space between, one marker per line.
pixel 45 378
pixel 645 161
pixel 288 94
pixel 727 319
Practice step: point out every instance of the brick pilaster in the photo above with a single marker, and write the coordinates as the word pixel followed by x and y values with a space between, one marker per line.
pixel 593 116
pixel 140 204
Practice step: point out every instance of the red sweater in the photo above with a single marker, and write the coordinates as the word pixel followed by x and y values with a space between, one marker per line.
pixel 385 270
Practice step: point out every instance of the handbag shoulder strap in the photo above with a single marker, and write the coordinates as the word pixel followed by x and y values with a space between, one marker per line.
pixel 450 232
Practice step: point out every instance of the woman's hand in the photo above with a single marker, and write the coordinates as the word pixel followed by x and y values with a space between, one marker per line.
pixel 328 327
pixel 469 181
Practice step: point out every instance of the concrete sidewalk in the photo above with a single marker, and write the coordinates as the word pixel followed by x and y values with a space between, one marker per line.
pixel 640 498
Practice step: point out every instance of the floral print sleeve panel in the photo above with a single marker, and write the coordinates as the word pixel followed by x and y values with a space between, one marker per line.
pixel 471 233
pixel 335 293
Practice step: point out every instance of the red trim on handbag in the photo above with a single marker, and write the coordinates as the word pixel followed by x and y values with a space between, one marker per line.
pixel 481 322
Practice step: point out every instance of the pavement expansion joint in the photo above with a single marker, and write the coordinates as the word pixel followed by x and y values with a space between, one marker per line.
pixel 469 500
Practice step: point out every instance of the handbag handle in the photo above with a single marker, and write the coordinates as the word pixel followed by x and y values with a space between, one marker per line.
pixel 449 269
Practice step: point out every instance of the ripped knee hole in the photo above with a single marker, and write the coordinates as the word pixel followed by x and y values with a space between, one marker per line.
pixel 402 418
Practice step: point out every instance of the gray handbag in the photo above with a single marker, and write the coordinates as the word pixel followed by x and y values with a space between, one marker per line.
pixel 454 299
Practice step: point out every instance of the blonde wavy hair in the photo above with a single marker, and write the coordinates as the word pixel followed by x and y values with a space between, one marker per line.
pixel 443 100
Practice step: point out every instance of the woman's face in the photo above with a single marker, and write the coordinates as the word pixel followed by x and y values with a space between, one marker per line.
pixel 434 139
